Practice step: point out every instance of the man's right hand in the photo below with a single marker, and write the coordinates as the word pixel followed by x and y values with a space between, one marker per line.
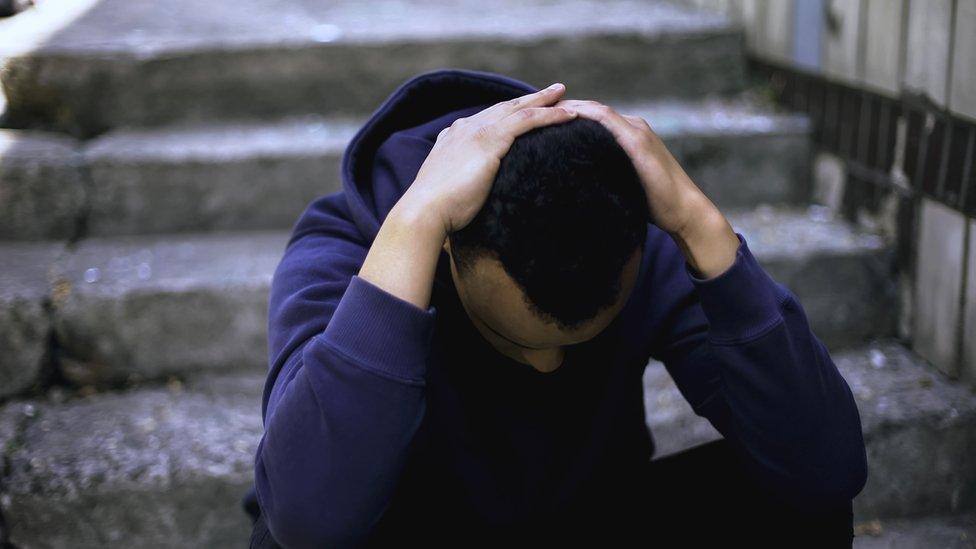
pixel 451 186
pixel 456 177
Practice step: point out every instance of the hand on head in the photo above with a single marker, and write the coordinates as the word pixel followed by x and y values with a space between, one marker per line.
pixel 455 179
pixel 672 197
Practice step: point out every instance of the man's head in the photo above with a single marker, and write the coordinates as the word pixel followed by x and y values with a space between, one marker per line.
pixel 552 256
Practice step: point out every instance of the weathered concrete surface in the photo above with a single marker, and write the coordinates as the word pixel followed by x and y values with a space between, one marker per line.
pixel 261 176
pixel 42 192
pixel 841 275
pixel 919 430
pixel 25 324
pixel 146 307
pixel 10 423
pixel 741 152
pixel 136 308
pixel 154 467
pixel 85 66
pixel 944 532
pixel 235 176
pixel 167 466
pixel 115 27
pixel 671 420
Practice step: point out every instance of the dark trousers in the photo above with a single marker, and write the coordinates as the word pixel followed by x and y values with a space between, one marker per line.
pixel 704 497
pixel 701 497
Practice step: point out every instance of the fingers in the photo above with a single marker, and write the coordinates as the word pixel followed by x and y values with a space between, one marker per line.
pixel 543 97
pixel 637 122
pixel 521 121
pixel 626 129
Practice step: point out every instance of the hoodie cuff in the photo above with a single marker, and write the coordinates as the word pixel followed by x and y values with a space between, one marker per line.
pixel 381 331
pixel 741 303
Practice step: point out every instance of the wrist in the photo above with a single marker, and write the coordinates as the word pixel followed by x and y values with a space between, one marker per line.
pixel 704 222
pixel 402 259
pixel 692 213
pixel 707 241
pixel 418 217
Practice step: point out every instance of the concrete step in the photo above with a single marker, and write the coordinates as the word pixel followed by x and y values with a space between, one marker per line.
pixel 25 317
pixel 42 186
pixel 131 308
pixel 143 308
pixel 153 467
pixel 919 429
pixel 85 66
pixel 944 532
pixel 842 275
pixel 167 466
pixel 262 176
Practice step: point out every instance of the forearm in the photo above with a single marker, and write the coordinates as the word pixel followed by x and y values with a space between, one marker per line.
pixel 765 381
pixel 347 395
pixel 334 446
pixel 792 412
pixel 403 257
pixel 707 240
pixel 340 418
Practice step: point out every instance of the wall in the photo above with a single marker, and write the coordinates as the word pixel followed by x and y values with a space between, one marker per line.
pixel 891 86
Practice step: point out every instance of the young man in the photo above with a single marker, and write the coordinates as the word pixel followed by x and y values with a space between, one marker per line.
pixel 458 338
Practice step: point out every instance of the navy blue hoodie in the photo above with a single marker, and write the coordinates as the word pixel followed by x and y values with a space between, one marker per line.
pixel 386 421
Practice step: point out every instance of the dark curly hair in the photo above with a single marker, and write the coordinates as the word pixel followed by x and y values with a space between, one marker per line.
pixel 565 213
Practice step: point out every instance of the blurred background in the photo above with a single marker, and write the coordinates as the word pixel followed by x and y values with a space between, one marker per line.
pixel 154 156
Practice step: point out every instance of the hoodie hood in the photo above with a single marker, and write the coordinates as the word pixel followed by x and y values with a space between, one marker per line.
pixel 383 158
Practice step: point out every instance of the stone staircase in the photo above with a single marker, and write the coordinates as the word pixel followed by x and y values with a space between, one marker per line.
pixel 157 154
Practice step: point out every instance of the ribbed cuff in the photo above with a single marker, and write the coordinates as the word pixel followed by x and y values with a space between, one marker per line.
pixel 740 303
pixel 381 331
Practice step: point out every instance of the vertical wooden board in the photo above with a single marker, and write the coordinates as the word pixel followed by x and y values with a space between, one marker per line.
pixel 963 88
pixel 737 10
pixel 734 10
pixel 969 319
pixel 938 282
pixel 841 35
pixel 883 45
pixel 927 56
pixel 751 15
pixel 777 31
pixel 780 30
pixel 718 6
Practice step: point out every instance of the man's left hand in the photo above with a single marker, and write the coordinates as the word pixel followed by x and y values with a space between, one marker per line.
pixel 676 204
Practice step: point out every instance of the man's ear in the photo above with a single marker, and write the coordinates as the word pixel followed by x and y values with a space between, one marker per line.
pixel 447 245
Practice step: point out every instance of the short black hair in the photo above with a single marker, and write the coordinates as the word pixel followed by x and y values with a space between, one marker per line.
pixel 565 212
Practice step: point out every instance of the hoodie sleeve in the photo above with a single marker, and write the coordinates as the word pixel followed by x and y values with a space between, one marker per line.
pixel 345 391
pixel 741 351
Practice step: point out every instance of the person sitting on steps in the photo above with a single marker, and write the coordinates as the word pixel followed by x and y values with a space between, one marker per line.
pixel 458 339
